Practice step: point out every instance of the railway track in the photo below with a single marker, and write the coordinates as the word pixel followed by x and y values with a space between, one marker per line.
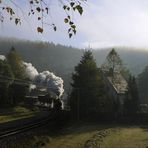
pixel 25 128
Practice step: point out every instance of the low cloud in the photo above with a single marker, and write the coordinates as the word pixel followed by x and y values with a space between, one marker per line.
pixel 115 23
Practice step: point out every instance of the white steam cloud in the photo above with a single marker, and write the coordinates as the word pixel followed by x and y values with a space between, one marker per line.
pixel 48 79
pixel 30 70
pixel 2 57
pixel 53 83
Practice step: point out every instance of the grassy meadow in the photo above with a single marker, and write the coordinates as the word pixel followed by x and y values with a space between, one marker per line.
pixel 15 113
pixel 87 135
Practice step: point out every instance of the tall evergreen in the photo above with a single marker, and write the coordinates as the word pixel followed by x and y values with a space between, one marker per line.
pixel 5 80
pixel 87 88
pixel 143 85
pixel 113 63
pixel 131 104
pixel 17 91
pixel 15 62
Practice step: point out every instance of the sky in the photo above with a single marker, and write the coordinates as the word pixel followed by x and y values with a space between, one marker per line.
pixel 104 23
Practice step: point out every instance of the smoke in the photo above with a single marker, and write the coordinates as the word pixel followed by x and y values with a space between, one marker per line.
pixel 53 83
pixel 30 70
pixel 2 57
pixel 47 79
pixel 32 86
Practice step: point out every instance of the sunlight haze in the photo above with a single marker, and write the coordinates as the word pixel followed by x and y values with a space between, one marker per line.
pixel 104 23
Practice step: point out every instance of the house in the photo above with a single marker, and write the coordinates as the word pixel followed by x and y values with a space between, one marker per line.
pixel 116 88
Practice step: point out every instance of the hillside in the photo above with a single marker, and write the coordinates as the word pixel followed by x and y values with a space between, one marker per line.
pixel 62 59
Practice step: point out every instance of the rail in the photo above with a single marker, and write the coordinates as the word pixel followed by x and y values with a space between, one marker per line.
pixel 25 128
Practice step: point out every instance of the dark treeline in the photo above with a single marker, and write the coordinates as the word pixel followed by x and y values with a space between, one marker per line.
pixel 15 84
pixel 102 92
pixel 143 85
pixel 12 92
pixel 94 89
pixel 62 59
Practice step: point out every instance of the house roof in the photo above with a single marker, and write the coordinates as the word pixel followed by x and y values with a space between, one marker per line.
pixel 119 83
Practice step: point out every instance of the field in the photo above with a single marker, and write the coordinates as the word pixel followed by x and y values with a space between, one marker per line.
pixel 88 135
pixel 15 113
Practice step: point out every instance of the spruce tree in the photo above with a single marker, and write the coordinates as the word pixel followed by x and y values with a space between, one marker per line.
pixel 87 88
pixel 132 103
pixel 143 85
pixel 15 62
pixel 17 91
pixel 113 63
pixel 5 80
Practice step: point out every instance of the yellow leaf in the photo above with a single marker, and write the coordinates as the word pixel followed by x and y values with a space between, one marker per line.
pixel 40 30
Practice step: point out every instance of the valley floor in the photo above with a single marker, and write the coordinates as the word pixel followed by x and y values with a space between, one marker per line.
pixel 102 137
pixel 86 135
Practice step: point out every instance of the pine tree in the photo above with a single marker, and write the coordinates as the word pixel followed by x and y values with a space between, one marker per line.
pixel 131 104
pixel 5 73
pixel 113 63
pixel 87 88
pixel 143 85
pixel 15 62
pixel 17 92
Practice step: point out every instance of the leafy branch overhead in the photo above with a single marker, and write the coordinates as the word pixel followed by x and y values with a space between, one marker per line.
pixel 40 9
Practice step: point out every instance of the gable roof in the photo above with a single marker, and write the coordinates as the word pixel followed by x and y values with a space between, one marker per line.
pixel 118 83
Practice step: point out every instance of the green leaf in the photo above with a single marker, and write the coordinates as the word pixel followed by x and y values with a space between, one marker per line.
pixel 66 20
pixel 68 8
pixel 17 21
pixel 64 7
pixel 73 26
pixel 39 18
pixel 55 28
pixel 31 2
pixel 72 4
pixel 70 35
pixel 74 31
pixel 69 30
pixel 71 23
pixel 80 9
pixel 38 9
pixel 46 10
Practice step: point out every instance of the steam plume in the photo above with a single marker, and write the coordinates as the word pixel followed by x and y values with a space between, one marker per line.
pixel 2 57
pixel 48 79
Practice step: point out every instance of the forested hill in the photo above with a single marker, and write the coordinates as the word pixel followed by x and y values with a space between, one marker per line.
pixel 44 55
pixel 62 59
pixel 135 59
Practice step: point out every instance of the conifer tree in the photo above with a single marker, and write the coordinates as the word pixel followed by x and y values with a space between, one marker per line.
pixel 15 62
pixel 17 91
pixel 5 79
pixel 87 88
pixel 113 63
pixel 131 104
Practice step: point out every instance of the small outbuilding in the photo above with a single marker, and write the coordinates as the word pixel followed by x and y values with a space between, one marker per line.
pixel 116 88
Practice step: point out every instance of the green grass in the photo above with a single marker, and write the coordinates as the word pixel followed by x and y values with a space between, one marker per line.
pixel 131 137
pixel 92 136
pixel 84 135
pixel 15 113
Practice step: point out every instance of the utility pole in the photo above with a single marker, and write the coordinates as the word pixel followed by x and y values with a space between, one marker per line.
pixel 78 104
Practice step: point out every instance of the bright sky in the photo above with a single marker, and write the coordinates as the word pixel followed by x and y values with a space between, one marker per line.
pixel 104 23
